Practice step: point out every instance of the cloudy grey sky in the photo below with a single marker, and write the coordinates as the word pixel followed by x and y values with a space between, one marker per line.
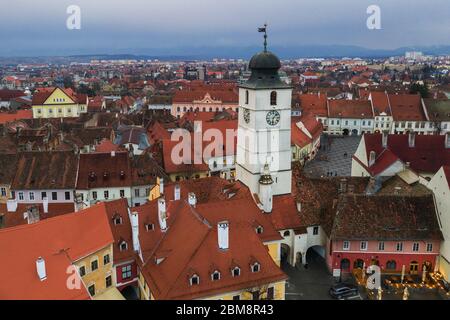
pixel 38 27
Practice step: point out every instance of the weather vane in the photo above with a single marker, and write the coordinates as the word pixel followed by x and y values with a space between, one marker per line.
pixel 264 29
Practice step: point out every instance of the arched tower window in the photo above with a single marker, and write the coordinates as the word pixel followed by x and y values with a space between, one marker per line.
pixel 273 98
pixel 246 97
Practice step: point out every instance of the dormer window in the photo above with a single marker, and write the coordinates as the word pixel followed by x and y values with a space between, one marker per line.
pixel 259 229
pixel 194 280
pixel 117 220
pixel 150 226
pixel 256 267
pixel 123 246
pixel 236 272
pixel 215 275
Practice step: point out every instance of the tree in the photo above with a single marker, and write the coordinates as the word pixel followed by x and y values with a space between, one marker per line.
pixel 419 88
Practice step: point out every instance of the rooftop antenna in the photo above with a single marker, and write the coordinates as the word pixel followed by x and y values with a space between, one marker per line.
pixel 264 29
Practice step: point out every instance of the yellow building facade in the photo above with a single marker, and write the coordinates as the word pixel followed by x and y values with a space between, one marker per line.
pixel 96 271
pixel 59 105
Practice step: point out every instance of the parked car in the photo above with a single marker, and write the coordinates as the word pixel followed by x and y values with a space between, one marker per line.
pixel 343 290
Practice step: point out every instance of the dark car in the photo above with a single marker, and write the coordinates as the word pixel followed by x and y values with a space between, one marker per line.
pixel 343 290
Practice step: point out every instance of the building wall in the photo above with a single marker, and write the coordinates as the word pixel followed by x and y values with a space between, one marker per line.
pixel 440 187
pixel 7 191
pixel 120 280
pixel 58 105
pixel 245 294
pixel 98 277
pixel 61 196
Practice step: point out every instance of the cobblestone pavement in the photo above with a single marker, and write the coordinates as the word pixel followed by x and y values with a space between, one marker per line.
pixel 334 158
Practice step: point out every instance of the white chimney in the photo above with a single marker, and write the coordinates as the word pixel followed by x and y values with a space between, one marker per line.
pixel 385 139
pixel 177 192
pixel 162 216
pixel 11 205
pixel 192 199
pixel 113 153
pixel 372 158
pixel 45 204
pixel 40 268
pixel 135 230
pixel 161 186
pixel 412 140
pixel 222 235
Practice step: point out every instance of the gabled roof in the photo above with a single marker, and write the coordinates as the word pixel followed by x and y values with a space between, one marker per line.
pixel 315 104
pixel 13 116
pixel 353 109
pixel 407 107
pixel 429 153
pixel 46 170
pixel 59 241
pixel 380 103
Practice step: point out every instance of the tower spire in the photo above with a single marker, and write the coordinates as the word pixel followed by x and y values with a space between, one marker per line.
pixel 264 29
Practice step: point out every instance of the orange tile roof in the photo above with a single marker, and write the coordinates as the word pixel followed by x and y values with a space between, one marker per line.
pixel 19 115
pixel 59 241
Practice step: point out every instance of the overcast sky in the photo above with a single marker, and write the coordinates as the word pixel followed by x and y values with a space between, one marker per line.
pixel 38 27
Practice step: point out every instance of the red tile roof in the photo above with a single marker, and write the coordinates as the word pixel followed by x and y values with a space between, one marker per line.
pixel 314 103
pixel 353 109
pixel 428 155
pixel 380 103
pixel 59 241
pixel 407 107
pixel 13 116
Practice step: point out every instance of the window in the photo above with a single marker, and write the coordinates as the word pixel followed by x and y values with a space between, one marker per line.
pixel 256 267
pixel 195 280
pixel 259 230
pixel 255 295
pixel 3 192
pixel 94 265
pixel 122 193
pixel 126 272
pixel 117 220
pixel 236 272
pixel 391 265
pixel 270 293
pixel 316 231
pixel 67 195
pixel 363 245
pixel 106 259
pixel 106 194
pixel 346 245
pixel 21 196
pixel 380 246
pixel 31 196
pixel 123 246
pixel 136 192
pixel 91 289
pixel 54 196
pixel 43 195
pixel 399 246
pixel 273 98
pixel 286 234
pixel 150 226
pixel 108 281
pixel 215 276
pixel 94 195
pixel 246 97
pixel 415 247
pixel 429 247
pixel 238 297
pixel 82 271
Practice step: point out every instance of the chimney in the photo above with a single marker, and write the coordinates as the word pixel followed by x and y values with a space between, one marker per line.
pixel 135 230
pixel 407 165
pixel 40 268
pixel 11 205
pixel 45 204
pixel 412 139
pixel 32 215
pixel 177 192
pixel 447 140
pixel 161 185
pixel 299 206
pixel 192 199
pixel 372 158
pixel 162 216
pixel 222 235
pixel 113 154
pixel 385 139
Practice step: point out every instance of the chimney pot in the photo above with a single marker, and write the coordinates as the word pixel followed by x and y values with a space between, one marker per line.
pixel 177 192
pixel 412 140
pixel 192 199
pixel 40 268
pixel 223 235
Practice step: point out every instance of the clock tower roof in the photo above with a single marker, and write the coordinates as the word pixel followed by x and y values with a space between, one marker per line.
pixel 265 60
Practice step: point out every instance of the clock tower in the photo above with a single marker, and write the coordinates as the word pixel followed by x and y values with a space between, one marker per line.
pixel 264 131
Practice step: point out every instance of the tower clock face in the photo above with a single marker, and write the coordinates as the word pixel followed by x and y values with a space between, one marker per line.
pixel 273 117
pixel 247 116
